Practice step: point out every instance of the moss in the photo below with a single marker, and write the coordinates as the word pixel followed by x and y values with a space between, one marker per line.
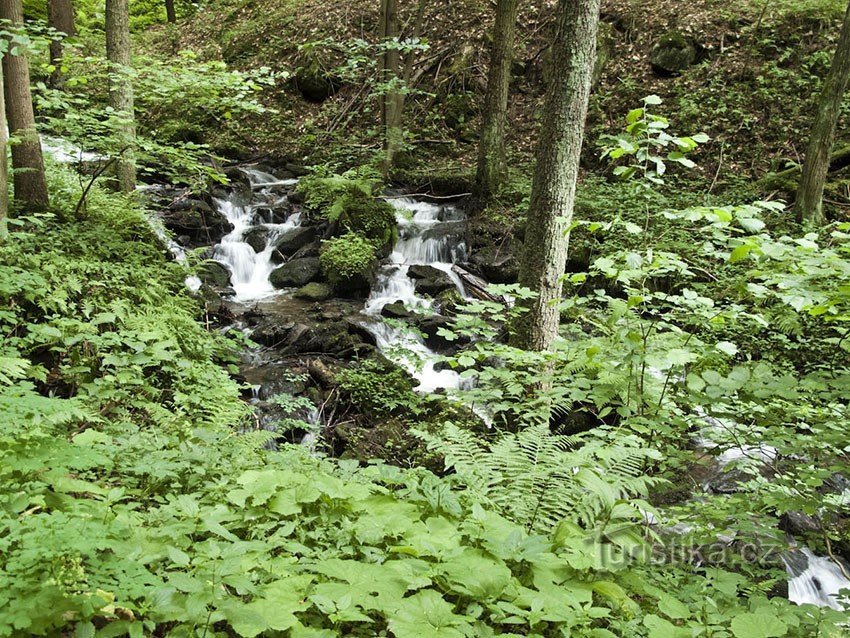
pixel 348 262
pixel 367 216
pixel 673 53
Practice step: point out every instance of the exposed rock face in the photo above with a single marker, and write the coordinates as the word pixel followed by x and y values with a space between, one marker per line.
pixel 673 53
pixel 296 273
pixel 314 84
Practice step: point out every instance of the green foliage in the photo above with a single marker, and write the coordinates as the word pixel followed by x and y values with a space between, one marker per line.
pixel 645 142
pixel 177 100
pixel 539 479
pixel 346 259
pixel 379 389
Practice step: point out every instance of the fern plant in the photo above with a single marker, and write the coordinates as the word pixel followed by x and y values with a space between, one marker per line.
pixel 538 479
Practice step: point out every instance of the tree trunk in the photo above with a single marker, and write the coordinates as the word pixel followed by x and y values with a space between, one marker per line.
pixel 393 101
pixel 809 202
pixel 554 185
pixel 121 88
pixel 491 147
pixel 28 164
pixel 4 163
pixel 60 16
pixel 169 11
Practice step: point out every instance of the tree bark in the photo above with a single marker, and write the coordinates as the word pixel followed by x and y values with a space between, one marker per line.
pixel 27 161
pixel 393 101
pixel 169 11
pixel 491 147
pixel 60 16
pixel 554 184
pixel 121 88
pixel 4 162
pixel 809 203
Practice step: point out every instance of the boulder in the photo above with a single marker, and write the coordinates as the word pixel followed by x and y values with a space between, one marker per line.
pixel 396 310
pixel 200 224
pixel 309 250
pixel 429 280
pixel 498 264
pixel 215 274
pixel 673 53
pixel 314 84
pixel 295 273
pixel 293 240
pixel 257 238
pixel 314 291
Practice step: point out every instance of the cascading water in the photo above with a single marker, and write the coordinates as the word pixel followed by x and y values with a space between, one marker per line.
pixel 815 580
pixel 249 269
pixel 428 235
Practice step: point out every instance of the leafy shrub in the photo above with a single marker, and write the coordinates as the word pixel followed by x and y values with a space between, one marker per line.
pixel 348 260
pixel 379 389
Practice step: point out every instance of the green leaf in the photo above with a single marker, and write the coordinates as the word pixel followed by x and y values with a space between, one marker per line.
pixel 427 614
pixel 727 347
pixel 758 626
pixel 652 100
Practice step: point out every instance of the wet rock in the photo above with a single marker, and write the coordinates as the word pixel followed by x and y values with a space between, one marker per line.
pixel 314 291
pixel 215 274
pixel 498 264
pixel 430 327
pixel 673 53
pixel 396 310
pixel 272 333
pixel 448 301
pixel 293 240
pixel 798 524
pixel 274 214
pixel 257 238
pixel 295 273
pixel 200 224
pixel 429 280
pixel 274 380
pixel 310 250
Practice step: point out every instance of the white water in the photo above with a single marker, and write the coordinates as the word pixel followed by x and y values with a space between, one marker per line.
pixel 815 580
pixel 417 245
pixel 250 270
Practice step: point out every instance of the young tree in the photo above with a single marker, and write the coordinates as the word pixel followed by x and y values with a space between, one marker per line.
pixel 60 16
pixel 121 88
pixel 809 202
pixel 554 185
pixel 491 147
pixel 4 162
pixel 393 100
pixel 169 11
pixel 27 161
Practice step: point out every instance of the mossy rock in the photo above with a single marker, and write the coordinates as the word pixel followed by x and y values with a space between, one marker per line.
pixel 367 216
pixel 314 291
pixel 673 53
pixel 458 110
pixel 314 83
pixel 349 264
pixel 295 273
pixel 214 274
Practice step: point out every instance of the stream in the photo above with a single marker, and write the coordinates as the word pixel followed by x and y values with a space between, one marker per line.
pixel 429 235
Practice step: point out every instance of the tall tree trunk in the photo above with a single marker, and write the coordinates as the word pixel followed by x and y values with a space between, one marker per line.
pixel 4 162
pixel 809 202
pixel 60 16
pixel 393 101
pixel 169 11
pixel 28 164
pixel 121 88
pixel 554 186
pixel 491 147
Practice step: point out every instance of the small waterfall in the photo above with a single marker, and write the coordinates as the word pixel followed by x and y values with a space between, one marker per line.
pixel 815 580
pixel 250 270
pixel 425 238
pixel 193 283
